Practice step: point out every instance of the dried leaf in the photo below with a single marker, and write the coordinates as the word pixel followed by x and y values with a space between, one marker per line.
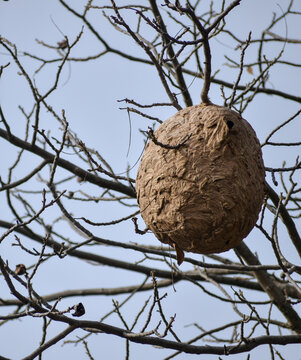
pixel 20 269
pixel 250 70
pixel 79 310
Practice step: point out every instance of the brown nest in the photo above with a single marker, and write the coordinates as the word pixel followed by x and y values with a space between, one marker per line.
pixel 204 195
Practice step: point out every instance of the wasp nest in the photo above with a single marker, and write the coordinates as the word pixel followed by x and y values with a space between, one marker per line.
pixel 204 194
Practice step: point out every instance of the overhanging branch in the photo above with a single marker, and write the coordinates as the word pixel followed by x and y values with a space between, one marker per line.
pixel 67 165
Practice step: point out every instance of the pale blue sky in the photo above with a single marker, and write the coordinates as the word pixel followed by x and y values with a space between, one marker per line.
pixel 89 92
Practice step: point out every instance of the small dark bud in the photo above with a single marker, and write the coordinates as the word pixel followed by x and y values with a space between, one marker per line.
pixel 70 194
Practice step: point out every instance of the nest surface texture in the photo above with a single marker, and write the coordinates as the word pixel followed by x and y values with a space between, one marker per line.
pixel 205 196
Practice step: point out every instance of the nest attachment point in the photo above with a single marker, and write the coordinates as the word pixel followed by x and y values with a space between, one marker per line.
pixel 203 196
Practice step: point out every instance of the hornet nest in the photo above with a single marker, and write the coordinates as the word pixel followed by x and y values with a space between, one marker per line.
pixel 201 181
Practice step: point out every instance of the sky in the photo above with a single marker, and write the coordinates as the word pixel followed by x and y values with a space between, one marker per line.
pixel 89 94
